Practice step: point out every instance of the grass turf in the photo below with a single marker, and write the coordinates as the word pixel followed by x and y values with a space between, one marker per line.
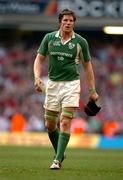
pixel 32 163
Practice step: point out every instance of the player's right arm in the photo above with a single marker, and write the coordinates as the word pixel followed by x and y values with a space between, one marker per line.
pixel 37 69
pixel 38 63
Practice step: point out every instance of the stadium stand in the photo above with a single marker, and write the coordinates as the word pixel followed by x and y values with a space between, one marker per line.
pixel 18 94
pixel 20 36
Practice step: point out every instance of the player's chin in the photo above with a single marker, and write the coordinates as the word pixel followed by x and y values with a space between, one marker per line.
pixel 68 30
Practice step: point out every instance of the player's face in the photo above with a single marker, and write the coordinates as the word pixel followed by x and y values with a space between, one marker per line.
pixel 67 23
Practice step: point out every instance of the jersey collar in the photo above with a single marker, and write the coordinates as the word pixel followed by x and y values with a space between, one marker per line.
pixel 58 34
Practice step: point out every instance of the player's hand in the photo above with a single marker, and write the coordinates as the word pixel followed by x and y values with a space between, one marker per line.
pixel 92 108
pixel 94 96
pixel 38 84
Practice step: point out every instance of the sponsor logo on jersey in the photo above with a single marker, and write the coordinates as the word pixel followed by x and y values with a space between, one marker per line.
pixel 61 54
pixel 60 58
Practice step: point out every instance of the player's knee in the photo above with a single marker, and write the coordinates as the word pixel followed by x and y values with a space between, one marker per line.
pixel 51 120
pixel 65 124
pixel 50 126
pixel 65 121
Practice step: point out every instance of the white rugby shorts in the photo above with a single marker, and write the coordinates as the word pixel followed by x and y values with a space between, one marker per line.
pixel 62 94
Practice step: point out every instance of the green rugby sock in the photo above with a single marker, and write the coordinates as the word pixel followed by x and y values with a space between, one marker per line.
pixel 54 136
pixel 62 144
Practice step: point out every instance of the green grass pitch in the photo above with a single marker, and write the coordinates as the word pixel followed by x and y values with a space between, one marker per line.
pixel 32 163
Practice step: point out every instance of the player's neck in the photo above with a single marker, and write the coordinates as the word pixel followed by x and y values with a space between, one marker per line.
pixel 66 35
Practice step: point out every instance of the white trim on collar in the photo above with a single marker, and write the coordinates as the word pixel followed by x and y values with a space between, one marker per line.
pixel 58 34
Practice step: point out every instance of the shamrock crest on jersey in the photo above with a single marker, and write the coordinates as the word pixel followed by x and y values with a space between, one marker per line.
pixel 71 45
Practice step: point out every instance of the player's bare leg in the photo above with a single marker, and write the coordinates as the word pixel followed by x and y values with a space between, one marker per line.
pixel 51 121
pixel 64 136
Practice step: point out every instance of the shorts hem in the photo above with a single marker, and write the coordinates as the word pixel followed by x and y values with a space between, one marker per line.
pixel 51 109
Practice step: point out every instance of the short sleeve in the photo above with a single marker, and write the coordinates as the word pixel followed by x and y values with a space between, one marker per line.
pixel 85 51
pixel 43 48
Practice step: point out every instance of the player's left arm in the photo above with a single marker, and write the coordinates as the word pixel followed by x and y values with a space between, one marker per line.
pixel 87 64
pixel 90 80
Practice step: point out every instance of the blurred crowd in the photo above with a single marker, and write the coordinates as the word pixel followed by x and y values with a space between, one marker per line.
pixel 21 107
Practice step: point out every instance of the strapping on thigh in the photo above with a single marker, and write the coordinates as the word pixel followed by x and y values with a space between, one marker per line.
pixel 67 113
pixel 51 115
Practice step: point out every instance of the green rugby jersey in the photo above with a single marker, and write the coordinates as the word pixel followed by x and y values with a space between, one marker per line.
pixel 64 59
